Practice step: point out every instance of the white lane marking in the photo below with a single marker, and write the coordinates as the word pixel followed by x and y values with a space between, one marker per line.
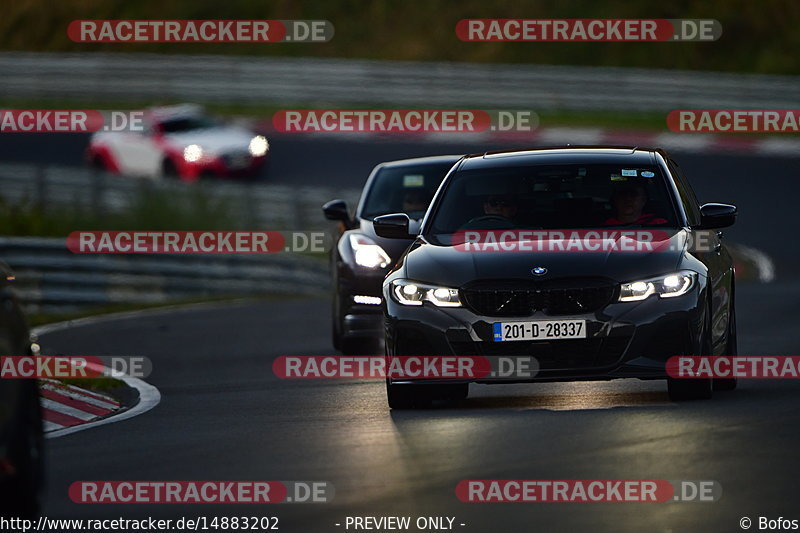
pixel 51 426
pixel 63 386
pixel 684 141
pixel 458 137
pixel 779 146
pixel 149 397
pixel 99 319
pixel 570 135
pixel 50 405
pixel 85 392
pixel 75 395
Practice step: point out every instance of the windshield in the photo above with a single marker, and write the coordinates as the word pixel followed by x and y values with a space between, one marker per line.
pixel 175 125
pixel 554 197
pixel 404 189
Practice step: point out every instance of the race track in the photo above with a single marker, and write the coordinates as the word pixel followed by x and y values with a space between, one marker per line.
pixel 225 416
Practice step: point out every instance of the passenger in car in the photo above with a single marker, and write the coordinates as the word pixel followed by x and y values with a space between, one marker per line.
pixel 504 205
pixel 629 201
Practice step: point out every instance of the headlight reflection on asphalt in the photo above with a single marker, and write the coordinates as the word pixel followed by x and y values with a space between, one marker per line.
pixel 572 396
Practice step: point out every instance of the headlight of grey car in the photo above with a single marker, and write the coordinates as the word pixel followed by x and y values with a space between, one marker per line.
pixel 666 286
pixel 408 292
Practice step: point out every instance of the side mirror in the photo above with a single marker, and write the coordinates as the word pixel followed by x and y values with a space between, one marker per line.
pixel 336 210
pixel 392 226
pixel 717 215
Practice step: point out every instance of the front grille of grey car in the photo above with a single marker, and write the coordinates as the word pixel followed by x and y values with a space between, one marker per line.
pixel 567 296
pixel 236 159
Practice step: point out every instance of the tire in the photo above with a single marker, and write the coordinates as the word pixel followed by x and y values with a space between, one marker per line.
pixel 169 170
pixel 22 499
pixel 336 331
pixel 405 396
pixel 357 346
pixel 694 389
pixel 97 163
pixel 424 396
pixel 689 389
pixel 731 348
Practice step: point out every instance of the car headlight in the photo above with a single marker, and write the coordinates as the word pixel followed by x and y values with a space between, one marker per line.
pixel 192 153
pixel 258 146
pixel 667 286
pixel 367 253
pixel 409 292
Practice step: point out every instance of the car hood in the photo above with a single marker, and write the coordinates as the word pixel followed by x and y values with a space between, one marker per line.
pixel 434 262
pixel 213 140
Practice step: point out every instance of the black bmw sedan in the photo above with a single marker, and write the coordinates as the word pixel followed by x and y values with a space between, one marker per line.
pixel 361 259
pixel 595 262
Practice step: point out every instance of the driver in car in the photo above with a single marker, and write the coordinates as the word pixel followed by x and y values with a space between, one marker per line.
pixel 504 205
pixel 629 201
pixel 416 200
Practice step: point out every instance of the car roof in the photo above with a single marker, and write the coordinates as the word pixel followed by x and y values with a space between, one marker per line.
pixel 556 155
pixel 422 160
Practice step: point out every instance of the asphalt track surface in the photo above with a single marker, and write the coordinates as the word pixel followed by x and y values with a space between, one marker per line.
pixel 225 416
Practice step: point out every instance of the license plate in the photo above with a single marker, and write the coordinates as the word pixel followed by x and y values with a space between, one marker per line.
pixel 539 330
pixel 238 161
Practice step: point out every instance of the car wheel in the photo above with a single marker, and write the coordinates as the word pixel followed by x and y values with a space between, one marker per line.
pixel 357 346
pixel 169 170
pixel 97 163
pixel 424 396
pixel 404 396
pixel 731 349
pixel 25 453
pixel 335 338
pixel 689 389
pixel 336 331
pixel 694 389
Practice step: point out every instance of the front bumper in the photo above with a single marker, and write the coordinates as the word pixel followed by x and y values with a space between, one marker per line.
pixel 626 339
pixel 229 165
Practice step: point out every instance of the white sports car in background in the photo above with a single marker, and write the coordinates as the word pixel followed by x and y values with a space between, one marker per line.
pixel 180 141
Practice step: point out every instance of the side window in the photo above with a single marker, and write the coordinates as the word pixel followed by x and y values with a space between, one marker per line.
pixel 687 196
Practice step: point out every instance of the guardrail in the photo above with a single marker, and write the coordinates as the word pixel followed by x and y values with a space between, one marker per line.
pixel 49 278
pixel 52 279
pixel 286 81
pixel 253 205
